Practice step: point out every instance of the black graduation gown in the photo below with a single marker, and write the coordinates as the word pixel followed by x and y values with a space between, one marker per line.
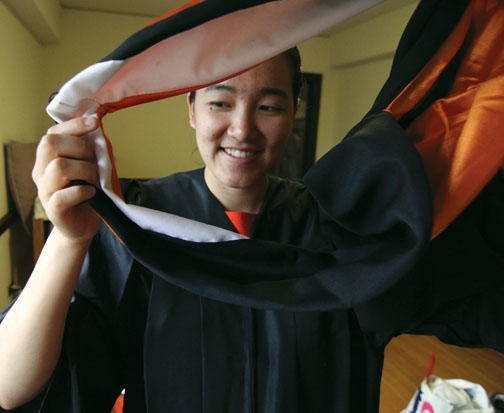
pixel 176 351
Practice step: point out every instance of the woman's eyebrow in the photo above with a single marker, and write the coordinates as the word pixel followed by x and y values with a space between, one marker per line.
pixel 274 91
pixel 220 87
pixel 266 91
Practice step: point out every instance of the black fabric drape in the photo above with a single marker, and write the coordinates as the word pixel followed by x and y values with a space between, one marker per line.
pixel 375 206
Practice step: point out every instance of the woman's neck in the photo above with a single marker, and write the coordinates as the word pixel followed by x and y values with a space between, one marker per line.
pixel 247 199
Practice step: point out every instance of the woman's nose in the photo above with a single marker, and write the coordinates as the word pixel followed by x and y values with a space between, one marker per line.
pixel 243 125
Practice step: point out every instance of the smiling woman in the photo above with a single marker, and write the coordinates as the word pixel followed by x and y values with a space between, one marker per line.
pixel 242 126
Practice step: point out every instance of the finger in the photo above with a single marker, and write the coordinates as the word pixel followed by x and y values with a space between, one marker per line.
pixel 70 197
pixel 54 146
pixel 61 172
pixel 65 146
pixel 77 127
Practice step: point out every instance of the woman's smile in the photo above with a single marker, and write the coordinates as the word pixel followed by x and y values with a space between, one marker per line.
pixel 241 154
pixel 242 126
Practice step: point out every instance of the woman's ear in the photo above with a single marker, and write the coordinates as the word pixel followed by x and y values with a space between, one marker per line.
pixel 190 108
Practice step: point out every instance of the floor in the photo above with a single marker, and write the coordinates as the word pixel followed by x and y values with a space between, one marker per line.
pixel 407 361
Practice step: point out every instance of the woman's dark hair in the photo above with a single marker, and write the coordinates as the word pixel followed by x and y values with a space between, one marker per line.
pixel 297 77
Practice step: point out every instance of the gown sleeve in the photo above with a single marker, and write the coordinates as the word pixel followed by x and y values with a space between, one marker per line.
pixel 455 292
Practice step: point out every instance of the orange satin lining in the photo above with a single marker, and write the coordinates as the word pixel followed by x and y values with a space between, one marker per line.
pixel 459 137
pixel 118 405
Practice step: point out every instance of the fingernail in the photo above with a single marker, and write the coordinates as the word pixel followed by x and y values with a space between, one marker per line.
pixel 89 121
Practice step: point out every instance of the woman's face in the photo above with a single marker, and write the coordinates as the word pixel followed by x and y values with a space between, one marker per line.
pixel 243 123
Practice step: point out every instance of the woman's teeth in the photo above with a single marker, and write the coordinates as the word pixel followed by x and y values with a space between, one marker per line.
pixel 239 154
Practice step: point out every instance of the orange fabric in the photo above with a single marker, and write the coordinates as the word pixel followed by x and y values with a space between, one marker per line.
pixel 459 137
pixel 109 227
pixel 424 80
pixel 242 221
pixel 118 405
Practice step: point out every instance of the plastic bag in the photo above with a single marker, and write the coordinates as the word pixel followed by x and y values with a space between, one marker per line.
pixel 437 395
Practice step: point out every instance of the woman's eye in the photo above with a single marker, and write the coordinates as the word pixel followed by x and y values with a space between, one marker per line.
pixel 271 109
pixel 219 105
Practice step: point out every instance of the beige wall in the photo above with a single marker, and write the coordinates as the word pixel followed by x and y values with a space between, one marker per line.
pixel 360 60
pixel 20 115
pixel 155 139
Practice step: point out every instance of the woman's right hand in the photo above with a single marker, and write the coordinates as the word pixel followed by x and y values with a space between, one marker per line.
pixel 31 334
pixel 64 155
